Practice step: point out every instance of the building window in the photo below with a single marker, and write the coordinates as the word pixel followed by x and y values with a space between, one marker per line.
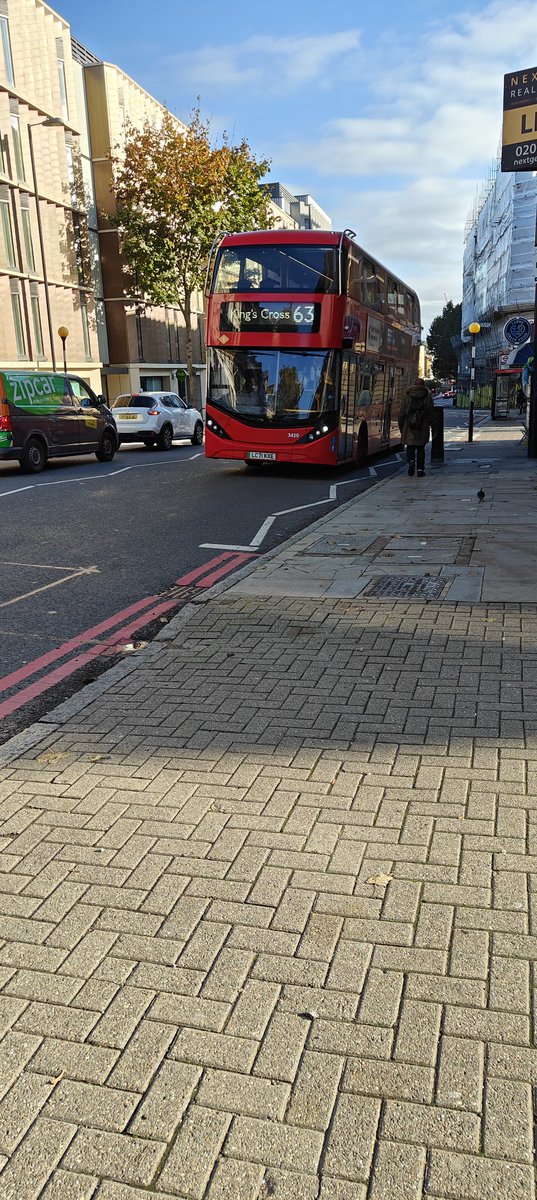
pixel 16 309
pixel 85 327
pixel 3 170
pixel 182 385
pixel 17 142
pixel 70 165
pixel 152 383
pixel 7 229
pixel 139 338
pixel 36 319
pixel 71 175
pixel 6 50
pixel 121 104
pixel 169 335
pixel 60 59
pixel 80 250
pixel 27 234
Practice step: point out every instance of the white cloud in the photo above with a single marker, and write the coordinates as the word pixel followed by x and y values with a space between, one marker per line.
pixel 417 231
pixel 442 139
pixel 430 129
pixel 267 62
pixel 411 123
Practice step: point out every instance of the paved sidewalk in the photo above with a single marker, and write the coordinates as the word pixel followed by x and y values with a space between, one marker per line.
pixel 268 888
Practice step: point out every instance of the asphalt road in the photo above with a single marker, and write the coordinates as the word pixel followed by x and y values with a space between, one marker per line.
pixel 96 557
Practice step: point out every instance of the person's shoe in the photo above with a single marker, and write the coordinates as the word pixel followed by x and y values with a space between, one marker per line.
pixel 411 470
pixel 420 473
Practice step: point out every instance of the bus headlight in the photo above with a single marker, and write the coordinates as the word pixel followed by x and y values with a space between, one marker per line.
pixel 216 428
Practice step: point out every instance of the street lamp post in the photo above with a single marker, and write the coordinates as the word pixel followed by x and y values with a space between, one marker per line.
pixel 48 122
pixel 63 333
pixel 474 329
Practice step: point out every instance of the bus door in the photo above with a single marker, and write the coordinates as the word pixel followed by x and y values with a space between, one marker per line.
pixel 364 402
pixel 346 407
pixel 389 395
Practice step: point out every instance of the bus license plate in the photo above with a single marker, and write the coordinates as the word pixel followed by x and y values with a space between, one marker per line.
pixel 262 454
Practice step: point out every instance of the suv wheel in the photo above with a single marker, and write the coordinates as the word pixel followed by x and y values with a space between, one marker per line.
pixel 197 436
pixel 165 438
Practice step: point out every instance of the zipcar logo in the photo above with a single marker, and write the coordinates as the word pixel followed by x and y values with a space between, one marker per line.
pixel 27 390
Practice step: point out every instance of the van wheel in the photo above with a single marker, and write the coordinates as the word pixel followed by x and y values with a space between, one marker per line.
pixel 107 448
pixel 34 457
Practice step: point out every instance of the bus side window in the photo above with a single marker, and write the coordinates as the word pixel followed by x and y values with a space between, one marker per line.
pixel 381 288
pixel 392 296
pixel 364 394
pixel 355 278
pixel 370 284
pixel 408 308
pixel 378 386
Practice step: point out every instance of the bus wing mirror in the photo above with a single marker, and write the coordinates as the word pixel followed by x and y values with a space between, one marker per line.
pixel 347 343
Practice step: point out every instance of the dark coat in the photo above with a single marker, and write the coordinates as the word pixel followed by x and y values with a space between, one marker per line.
pixel 416 396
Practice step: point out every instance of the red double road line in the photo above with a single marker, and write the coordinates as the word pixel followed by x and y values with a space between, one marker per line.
pixel 228 563
pixel 147 610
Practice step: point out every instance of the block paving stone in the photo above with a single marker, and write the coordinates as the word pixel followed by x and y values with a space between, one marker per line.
pixel 278 941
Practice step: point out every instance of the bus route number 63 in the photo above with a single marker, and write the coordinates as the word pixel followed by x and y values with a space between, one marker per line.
pixel 303 314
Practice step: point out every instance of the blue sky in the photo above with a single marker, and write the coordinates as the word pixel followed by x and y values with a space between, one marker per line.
pixel 388 113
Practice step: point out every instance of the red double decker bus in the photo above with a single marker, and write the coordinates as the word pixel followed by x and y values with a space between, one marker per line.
pixel 311 345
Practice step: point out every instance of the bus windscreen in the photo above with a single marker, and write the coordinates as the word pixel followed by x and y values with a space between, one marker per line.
pixel 264 268
pixel 275 386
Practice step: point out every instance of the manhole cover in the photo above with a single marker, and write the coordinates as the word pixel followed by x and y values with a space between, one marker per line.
pixel 428 588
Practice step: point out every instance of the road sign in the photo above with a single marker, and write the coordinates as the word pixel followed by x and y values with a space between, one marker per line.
pixel 519 134
pixel 516 331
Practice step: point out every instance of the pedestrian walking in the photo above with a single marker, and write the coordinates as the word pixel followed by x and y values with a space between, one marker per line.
pixel 416 416
pixel 521 399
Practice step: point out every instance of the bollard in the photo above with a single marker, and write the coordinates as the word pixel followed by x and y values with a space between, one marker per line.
pixel 437 430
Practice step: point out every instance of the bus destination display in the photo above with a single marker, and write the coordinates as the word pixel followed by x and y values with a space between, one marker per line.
pixel 269 316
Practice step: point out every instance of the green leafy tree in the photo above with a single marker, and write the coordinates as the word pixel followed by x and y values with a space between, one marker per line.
pixel 173 192
pixel 443 328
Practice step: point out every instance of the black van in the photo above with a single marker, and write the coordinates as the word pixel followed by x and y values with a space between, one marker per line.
pixel 51 416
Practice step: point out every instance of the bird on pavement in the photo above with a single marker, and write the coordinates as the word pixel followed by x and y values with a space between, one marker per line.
pixel 480 495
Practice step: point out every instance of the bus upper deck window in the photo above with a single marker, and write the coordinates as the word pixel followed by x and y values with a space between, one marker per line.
pixel 227 272
pixel 370 284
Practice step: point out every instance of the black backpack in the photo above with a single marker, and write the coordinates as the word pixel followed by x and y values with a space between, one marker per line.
pixel 415 416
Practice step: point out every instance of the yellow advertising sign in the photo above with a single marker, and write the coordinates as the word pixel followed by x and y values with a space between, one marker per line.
pixel 519 135
pixel 519 125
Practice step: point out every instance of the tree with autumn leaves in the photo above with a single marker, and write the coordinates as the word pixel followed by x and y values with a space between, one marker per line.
pixel 173 193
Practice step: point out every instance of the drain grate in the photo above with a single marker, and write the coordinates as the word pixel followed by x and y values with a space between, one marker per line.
pixel 427 588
